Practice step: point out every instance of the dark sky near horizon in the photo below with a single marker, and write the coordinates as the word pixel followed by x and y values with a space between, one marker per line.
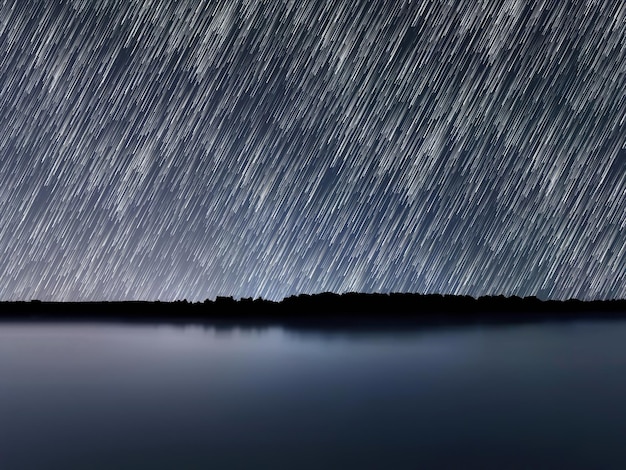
pixel 161 149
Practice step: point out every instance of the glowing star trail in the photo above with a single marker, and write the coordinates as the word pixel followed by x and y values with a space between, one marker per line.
pixel 189 149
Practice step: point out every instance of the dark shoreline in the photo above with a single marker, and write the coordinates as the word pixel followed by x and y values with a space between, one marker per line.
pixel 352 310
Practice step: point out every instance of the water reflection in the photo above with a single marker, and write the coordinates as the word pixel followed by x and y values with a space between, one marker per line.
pixel 162 396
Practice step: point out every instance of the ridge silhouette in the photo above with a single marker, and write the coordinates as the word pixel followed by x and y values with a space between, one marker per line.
pixel 325 309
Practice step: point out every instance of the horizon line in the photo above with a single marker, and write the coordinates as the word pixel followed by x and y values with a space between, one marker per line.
pixel 225 298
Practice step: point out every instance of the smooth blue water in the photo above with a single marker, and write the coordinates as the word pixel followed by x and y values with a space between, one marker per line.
pixel 105 396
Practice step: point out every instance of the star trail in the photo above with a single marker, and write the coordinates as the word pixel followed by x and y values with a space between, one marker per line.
pixel 169 150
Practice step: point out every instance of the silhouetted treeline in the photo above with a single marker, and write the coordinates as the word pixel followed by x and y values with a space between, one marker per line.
pixel 326 307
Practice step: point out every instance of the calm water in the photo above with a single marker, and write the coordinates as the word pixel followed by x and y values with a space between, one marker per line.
pixel 105 396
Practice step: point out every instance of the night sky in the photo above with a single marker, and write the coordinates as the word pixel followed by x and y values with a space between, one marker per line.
pixel 192 149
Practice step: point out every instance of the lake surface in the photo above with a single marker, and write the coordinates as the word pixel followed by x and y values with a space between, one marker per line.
pixel 119 396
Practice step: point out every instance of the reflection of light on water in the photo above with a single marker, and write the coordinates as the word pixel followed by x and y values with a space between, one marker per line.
pixel 267 396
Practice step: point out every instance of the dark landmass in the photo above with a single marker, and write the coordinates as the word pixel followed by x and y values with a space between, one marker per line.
pixel 324 310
